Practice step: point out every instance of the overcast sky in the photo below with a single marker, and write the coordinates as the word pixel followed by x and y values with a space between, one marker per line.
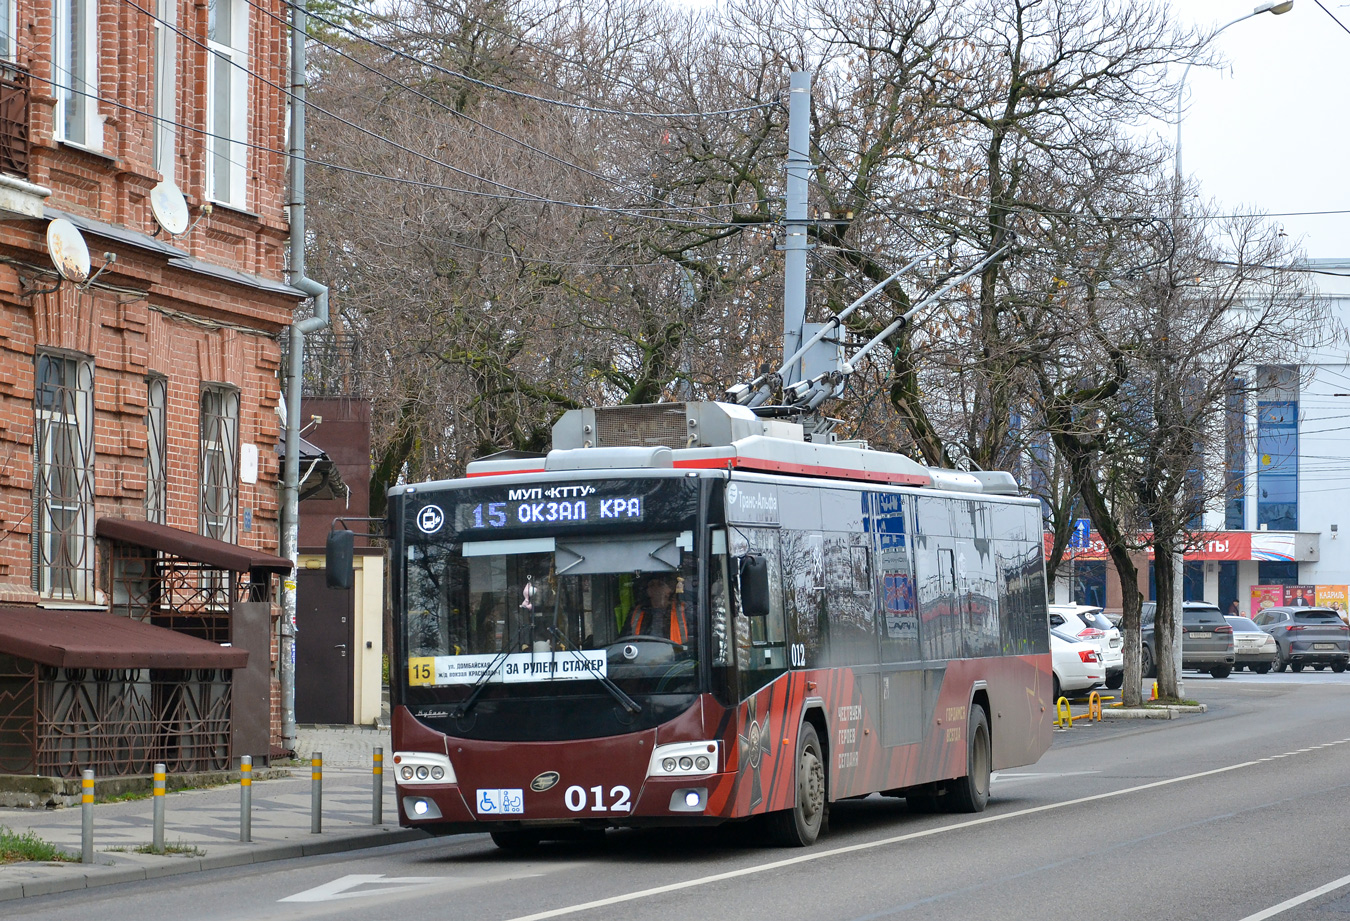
pixel 1270 130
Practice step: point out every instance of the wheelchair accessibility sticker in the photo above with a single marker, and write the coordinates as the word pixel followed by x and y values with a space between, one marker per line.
pixel 501 802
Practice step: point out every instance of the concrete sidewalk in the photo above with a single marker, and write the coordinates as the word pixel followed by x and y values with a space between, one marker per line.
pixel 201 827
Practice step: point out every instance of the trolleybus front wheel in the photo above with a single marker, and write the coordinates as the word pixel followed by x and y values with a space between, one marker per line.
pixel 971 793
pixel 800 825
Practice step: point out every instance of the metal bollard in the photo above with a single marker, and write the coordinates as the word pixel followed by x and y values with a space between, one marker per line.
pixel 246 798
pixel 87 808
pixel 377 788
pixel 316 794
pixel 157 843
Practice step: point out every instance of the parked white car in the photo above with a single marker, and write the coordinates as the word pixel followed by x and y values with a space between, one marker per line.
pixel 1076 664
pixel 1090 625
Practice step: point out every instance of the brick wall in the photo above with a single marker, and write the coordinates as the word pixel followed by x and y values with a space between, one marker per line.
pixel 144 315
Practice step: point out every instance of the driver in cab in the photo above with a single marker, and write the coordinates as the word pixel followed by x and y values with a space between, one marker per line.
pixel 661 614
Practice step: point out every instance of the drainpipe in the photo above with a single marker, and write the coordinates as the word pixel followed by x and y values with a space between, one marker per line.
pixel 290 510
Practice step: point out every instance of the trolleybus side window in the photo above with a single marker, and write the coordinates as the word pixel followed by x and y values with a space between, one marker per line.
pixel 760 655
pixel 983 634
pixel 848 600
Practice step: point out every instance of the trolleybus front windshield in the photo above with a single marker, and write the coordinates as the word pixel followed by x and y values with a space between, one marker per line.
pixel 602 609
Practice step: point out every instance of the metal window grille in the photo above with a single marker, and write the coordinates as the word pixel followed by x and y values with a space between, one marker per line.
pixel 63 478
pixel 220 480
pixel 219 462
pixel 156 437
pixel 14 145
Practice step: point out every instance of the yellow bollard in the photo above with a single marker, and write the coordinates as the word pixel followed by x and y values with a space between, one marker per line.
pixel 1155 691
pixel 1095 706
pixel 1063 715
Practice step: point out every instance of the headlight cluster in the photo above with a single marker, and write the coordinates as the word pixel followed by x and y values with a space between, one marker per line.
pixel 422 767
pixel 681 759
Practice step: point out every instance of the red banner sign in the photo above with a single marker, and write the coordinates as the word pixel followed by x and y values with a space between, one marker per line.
pixel 1213 545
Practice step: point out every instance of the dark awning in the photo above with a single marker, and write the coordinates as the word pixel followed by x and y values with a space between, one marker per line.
pixel 319 475
pixel 95 639
pixel 189 546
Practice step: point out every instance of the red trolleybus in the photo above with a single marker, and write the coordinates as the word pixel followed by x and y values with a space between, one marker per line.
pixel 685 614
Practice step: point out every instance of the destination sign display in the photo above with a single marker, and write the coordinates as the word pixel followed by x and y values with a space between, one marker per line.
pixel 532 507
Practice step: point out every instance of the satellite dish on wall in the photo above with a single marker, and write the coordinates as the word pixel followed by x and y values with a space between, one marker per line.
pixel 65 245
pixel 169 207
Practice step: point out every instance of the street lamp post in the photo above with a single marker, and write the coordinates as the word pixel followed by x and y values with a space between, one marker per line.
pixel 1274 8
pixel 1178 562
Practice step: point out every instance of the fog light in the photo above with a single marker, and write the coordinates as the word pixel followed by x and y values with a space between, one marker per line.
pixel 668 765
pixel 437 773
pixel 420 807
pixel 691 799
pixel 406 772
pixel 422 772
pixel 686 763
pixel 702 762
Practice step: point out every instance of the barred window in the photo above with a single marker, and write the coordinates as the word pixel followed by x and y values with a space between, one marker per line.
pixel 63 477
pixel 156 434
pixel 220 462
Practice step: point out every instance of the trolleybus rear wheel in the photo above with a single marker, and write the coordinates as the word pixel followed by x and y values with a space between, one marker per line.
pixel 971 793
pixel 800 825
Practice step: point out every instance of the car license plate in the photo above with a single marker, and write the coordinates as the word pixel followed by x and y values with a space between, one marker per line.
pixel 1116 641
pixel 1324 645
pixel 1201 636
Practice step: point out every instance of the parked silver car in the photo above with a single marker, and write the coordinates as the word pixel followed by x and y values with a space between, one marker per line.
pixel 1253 647
pixel 1307 636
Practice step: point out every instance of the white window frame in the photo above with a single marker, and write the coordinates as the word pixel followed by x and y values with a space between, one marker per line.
pixel 75 73
pixel 63 551
pixel 166 66
pixel 227 63
pixel 9 10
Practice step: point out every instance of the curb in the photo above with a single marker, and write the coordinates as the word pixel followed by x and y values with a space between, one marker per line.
pixel 1150 713
pixel 69 877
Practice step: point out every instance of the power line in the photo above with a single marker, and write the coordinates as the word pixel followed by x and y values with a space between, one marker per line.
pixel 523 95
pixel 496 131
pixel 1333 17
pixel 520 39
pixel 519 195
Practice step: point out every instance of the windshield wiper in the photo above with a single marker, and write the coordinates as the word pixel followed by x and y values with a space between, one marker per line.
pixel 624 700
pixel 481 684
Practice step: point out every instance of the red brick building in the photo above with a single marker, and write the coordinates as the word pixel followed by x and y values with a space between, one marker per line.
pixel 139 401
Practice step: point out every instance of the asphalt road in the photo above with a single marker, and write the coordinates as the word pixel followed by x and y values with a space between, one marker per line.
pixel 1240 813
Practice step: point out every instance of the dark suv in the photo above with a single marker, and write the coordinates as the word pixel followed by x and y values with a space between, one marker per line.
pixel 1307 636
pixel 1206 639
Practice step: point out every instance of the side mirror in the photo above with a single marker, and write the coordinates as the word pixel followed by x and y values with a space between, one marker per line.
pixel 338 558
pixel 754 586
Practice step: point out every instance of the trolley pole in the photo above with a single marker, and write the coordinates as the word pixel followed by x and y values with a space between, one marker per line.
pixel 157 841
pixel 246 799
pixel 316 794
pixel 377 787
pixel 87 810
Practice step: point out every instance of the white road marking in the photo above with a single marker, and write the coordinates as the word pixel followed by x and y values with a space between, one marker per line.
pixel 897 839
pixel 1035 775
pixel 1308 896
pixel 376 883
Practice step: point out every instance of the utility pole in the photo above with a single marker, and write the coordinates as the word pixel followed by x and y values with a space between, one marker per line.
pixel 794 220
